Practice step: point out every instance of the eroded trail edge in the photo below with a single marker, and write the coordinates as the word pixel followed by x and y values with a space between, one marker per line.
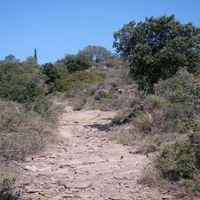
pixel 86 165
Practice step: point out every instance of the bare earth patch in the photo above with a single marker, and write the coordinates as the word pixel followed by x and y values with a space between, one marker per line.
pixel 86 165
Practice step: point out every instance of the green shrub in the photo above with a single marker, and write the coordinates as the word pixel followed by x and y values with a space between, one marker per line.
pixel 178 117
pixel 23 85
pixel 76 63
pixel 175 161
pixel 95 53
pixel 72 81
pixel 154 102
pixel 182 92
pixel 103 95
pixel 6 187
pixel 51 72
pixel 145 122
pixel 181 88
pixel 125 116
pixel 194 140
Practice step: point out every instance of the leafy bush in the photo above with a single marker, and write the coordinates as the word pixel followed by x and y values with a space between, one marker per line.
pixel 51 72
pixel 103 95
pixel 70 82
pixel 154 102
pixel 145 121
pixel 76 63
pixel 181 88
pixel 194 140
pixel 6 187
pixel 182 92
pixel 95 53
pixel 125 116
pixel 175 161
pixel 23 85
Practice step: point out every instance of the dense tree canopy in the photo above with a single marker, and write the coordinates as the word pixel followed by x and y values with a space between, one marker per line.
pixel 95 53
pixel 10 59
pixel 50 71
pixel 76 63
pixel 157 47
pixel 19 83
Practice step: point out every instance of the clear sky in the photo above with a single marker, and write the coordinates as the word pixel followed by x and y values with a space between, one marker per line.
pixel 57 27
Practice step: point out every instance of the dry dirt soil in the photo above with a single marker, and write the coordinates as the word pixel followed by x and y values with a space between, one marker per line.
pixel 86 164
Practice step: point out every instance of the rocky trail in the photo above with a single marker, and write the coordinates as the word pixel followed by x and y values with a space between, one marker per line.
pixel 86 165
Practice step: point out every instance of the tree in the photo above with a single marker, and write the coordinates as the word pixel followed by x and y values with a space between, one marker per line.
pixel 30 62
pixel 50 71
pixel 95 53
pixel 35 55
pixel 17 83
pixel 76 63
pixel 10 59
pixel 157 47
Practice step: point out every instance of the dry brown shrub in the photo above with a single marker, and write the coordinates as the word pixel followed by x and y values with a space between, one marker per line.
pixel 22 132
pixel 145 122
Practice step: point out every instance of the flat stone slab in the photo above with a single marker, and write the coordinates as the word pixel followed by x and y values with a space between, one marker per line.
pixel 40 167
pixel 78 185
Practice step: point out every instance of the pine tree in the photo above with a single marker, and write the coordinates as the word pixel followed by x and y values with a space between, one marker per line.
pixel 35 55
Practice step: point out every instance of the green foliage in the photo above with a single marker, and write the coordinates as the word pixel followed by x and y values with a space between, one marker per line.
pixel 10 59
pixel 182 160
pixel 175 161
pixel 19 83
pixel 154 102
pixel 72 81
pixel 157 48
pixel 61 68
pixel 182 92
pixel 35 55
pixel 51 72
pixel 6 187
pixel 103 95
pixel 181 88
pixel 125 116
pixel 194 140
pixel 30 62
pixel 76 63
pixel 95 53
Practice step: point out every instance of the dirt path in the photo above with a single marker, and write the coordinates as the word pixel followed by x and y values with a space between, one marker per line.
pixel 86 165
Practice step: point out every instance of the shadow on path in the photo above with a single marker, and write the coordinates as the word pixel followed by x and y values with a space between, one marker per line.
pixel 100 127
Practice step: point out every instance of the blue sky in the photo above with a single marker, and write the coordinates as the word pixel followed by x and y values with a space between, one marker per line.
pixel 57 27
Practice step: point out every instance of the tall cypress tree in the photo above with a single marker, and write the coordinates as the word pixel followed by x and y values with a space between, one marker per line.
pixel 35 55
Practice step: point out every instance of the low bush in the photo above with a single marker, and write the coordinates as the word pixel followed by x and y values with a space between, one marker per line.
pixel 183 88
pixel 76 63
pixel 23 85
pixel 6 189
pixel 194 140
pixel 125 116
pixel 145 122
pixel 103 95
pixel 22 132
pixel 154 102
pixel 181 160
pixel 70 82
pixel 175 161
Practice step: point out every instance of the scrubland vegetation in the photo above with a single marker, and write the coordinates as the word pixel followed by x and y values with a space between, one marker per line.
pixel 28 114
pixel 154 83
pixel 155 87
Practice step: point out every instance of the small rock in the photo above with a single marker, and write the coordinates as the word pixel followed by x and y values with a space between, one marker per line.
pixel 118 178
pixel 78 185
pixel 32 191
